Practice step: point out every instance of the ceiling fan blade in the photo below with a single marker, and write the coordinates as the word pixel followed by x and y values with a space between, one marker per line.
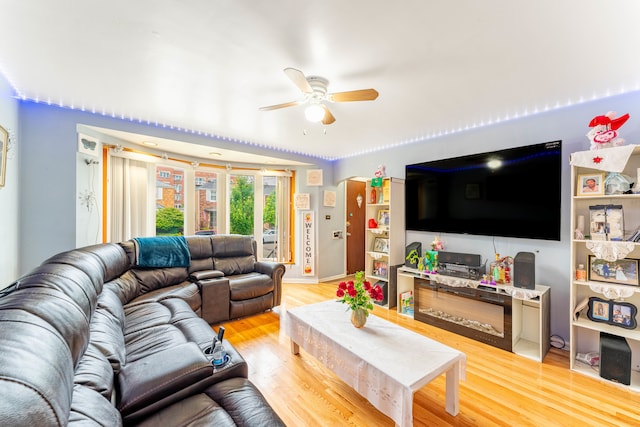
pixel 298 78
pixel 354 95
pixel 328 117
pixel 278 106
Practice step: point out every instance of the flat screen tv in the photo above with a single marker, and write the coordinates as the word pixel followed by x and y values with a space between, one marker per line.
pixel 509 193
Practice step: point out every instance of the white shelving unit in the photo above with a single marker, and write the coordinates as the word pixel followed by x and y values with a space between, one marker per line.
pixel 585 334
pixel 389 203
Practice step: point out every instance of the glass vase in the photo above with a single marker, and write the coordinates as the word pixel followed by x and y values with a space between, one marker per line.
pixel 359 317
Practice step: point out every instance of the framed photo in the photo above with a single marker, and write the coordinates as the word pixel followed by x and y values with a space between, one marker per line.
pixel 383 217
pixel 621 272
pixel 329 198
pixel 4 144
pixel 88 145
pixel 380 244
pixel 590 184
pixel 622 314
pixel 379 268
pixel 302 201
pixel 314 177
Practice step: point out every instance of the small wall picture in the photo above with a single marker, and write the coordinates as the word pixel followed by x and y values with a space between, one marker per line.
pixel 88 145
pixel 380 244
pixel 590 184
pixel 622 271
pixel 383 217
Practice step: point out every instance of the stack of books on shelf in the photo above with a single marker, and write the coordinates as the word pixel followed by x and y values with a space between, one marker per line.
pixel 406 302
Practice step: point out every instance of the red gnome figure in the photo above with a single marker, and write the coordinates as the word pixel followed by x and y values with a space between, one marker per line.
pixel 603 133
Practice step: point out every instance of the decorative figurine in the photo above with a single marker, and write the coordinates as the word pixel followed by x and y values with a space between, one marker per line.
pixel 437 244
pixel 604 131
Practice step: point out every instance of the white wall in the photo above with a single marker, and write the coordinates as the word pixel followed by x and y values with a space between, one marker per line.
pixel 568 124
pixel 9 212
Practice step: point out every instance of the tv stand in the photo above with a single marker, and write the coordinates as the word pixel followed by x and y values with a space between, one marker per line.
pixel 509 318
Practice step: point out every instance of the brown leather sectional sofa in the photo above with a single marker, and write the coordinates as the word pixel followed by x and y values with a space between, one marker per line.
pixel 91 337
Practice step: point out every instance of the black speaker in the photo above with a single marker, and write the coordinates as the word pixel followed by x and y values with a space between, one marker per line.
pixel 615 358
pixel 385 291
pixel 524 270
pixel 417 246
pixel 458 258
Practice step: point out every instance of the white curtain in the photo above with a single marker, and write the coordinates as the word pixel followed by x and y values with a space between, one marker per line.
pixel 128 198
pixel 283 188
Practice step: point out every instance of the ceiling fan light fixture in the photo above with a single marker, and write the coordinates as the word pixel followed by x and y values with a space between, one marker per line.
pixel 314 113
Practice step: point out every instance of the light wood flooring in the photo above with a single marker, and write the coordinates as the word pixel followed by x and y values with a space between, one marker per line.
pixel 501 388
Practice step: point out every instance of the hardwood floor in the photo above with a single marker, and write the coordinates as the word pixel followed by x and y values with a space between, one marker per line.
pixel 501 388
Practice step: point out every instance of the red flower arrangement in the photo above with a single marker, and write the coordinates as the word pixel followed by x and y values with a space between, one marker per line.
pixel 359 293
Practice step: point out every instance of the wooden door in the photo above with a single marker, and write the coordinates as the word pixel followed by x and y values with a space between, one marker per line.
pixel 356 192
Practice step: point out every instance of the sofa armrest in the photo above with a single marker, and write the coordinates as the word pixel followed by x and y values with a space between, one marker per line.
pixel 275 270
pixel 214 294
pixel 160 377
pixel 205 274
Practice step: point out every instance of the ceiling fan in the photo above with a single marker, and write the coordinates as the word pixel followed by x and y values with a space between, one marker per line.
pixel 315 93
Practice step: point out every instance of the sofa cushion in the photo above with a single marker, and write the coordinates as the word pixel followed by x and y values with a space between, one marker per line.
pixel 95 372
pixel 71 281
pixel 235 265
pixel 126 287
pixel 197 410
pixel 244 402
pixel 113 257
pixel 248 286
pixel 155 278
pixel 107 336
pixel 36 381
pixel 89 408
pixel 57 310
pixel 161 376
pixel 143 342
pixel 186 291
pixel 231 245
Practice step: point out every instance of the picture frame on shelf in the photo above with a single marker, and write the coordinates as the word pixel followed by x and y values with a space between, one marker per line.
pixel 615 313
pixel 383 217
pixel 590 184
pixel 379 268
pixel 381 244
pixel 620 272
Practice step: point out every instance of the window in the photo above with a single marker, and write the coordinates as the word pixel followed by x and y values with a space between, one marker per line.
pixel 213 201
pixel 169 218
pixel 206 204
pixel 177 177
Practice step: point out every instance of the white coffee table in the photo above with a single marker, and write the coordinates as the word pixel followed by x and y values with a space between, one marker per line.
pixel 384 362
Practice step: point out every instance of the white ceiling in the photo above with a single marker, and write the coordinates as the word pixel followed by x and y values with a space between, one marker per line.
pixel 207 66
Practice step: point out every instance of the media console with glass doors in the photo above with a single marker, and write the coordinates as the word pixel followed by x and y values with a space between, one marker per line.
pixel 513 319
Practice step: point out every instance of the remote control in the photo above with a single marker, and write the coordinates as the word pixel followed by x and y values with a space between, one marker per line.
pixel 220 333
